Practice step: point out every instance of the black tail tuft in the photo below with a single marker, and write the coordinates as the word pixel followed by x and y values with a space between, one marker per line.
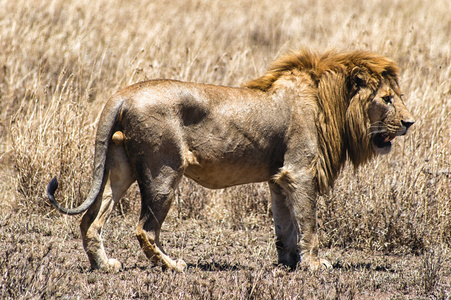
pixel 51 188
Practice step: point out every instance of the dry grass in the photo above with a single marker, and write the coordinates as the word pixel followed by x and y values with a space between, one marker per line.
pixel 386 226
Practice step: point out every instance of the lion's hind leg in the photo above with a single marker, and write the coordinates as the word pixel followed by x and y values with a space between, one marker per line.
pixel 157 194
pixel 152 249
pixel 119 177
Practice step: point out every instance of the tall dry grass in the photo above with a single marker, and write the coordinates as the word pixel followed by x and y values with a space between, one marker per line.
pixel 60 61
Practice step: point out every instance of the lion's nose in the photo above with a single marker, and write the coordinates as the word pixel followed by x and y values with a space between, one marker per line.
pixel 407 124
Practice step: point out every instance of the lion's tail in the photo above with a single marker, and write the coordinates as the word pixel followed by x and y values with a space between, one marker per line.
pixel 105 128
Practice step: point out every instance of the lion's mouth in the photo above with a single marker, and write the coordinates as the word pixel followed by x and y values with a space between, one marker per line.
pixel 382 140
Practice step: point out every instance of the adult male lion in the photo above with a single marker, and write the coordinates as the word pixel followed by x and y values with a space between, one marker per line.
pixel 293 127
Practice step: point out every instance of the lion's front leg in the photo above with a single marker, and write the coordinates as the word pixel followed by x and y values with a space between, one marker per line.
pixel 294 207
pixel 285 228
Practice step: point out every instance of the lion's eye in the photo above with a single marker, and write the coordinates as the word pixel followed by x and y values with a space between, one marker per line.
pixel 388 99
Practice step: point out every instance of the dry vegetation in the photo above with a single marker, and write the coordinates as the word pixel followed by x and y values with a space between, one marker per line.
pixel 386 227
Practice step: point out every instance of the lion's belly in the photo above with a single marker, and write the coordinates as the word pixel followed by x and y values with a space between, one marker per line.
pixel 222 175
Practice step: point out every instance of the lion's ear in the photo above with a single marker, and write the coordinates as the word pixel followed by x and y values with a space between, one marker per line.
pixel 359 78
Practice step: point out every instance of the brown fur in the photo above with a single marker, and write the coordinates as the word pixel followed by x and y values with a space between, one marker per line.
pixel 293 127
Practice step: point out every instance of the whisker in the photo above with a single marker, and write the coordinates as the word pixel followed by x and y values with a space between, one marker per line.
pixel 377 127
pixel 392 127
pixel 380 127
pixel 374 132
pixel 377 123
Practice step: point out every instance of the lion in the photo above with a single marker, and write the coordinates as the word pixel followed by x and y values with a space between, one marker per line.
pixel 294 128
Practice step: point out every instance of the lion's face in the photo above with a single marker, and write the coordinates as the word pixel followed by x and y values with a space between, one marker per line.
pixel 388 116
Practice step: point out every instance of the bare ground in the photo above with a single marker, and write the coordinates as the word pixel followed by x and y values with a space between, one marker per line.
pixel 42 257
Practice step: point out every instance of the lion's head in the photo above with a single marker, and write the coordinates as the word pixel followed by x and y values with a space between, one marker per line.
pixel 359 102
pixel 389 118
pixel 376 113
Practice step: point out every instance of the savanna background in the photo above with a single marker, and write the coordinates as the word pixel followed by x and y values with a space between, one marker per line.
pixel 386 227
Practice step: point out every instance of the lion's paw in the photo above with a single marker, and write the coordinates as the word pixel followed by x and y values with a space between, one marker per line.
pixel 325 264
pixel 113 266
pixel 180 266
pixel 315 263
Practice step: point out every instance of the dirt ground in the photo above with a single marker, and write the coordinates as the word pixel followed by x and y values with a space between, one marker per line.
pixel 42 257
